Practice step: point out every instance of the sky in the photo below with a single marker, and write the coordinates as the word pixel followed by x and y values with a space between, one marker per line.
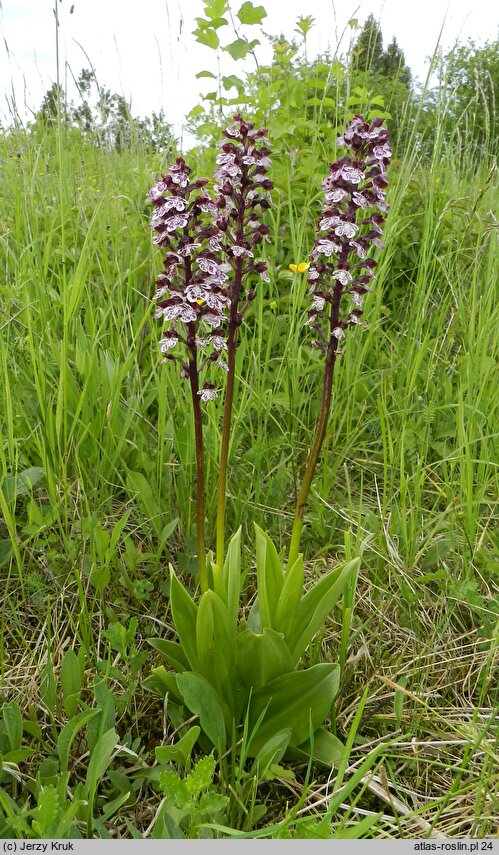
pixel 145 50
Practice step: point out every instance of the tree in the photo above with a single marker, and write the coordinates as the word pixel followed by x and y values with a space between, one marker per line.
pixel 392 64
pixel 368 50
pixel 53 101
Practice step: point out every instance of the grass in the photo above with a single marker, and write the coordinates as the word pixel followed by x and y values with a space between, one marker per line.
pixel 408 479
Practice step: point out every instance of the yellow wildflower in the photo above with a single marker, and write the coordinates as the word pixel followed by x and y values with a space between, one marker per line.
pixel 299 268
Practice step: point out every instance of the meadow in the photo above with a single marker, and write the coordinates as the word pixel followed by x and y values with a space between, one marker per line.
pixel 97 465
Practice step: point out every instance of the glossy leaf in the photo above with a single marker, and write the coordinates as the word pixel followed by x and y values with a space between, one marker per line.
pixel 160 681
pixel 300 700
pixel 68 734
pixel 325 748
pixel 289 599
pixel 270 577
pixel 202 700
pixel 272 751
pixel 232 576
pixel 100 759
pixel 172 652
pixel 261 657
pixel 184 611
pixel 317 604
pixel 215 644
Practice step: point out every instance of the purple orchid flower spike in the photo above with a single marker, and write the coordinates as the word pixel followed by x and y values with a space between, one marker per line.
pixel 191 298
pixel 341 268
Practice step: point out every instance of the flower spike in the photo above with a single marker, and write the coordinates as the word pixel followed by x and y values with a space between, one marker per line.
pixel 341 267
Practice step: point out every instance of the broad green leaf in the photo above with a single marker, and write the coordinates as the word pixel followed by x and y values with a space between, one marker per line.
pixel 68 734
pixel 19 755
pixel 180 752
pixel 240 48
pixel 325 749
pixel 317 604
pixel 13 723
pixel 249 14
pixel 215 8
pixel 270 578
pixel 300 700
pixel 65 828
pixel 160 681
pixel 272 752
pixel 438 550
pixel 216 23
pixel 70 682
pixel 100 759
pixel 113 807
pixel 184 611
pixel 232 80
pixel 167 531
pixel 232 576
pixel 116 534
pixel 381 114
pixel 48 688
pixel 215 644
pixel 201 74
pixel 13 486
pixel 202 700
pixel 104 699
pixel 207 37
pixel 216 581
pixel 172 652
pixel 289 599
pixel 261 657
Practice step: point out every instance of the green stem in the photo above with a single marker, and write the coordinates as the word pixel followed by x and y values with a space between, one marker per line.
pixel 320 430
pixel 313 456
pixel 229 398
pixel 198 432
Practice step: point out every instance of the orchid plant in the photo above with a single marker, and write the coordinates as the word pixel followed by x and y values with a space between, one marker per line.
pixel 228 671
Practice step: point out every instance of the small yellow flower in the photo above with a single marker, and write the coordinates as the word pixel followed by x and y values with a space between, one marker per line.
pixel 299 268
